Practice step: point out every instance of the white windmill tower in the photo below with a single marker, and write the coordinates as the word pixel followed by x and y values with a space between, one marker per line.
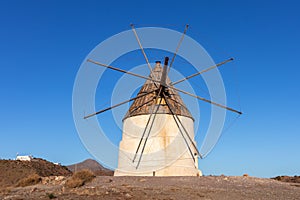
pixel 158 132
pixel 158 129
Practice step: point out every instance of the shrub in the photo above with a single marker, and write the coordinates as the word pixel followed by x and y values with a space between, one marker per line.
pixel 5 191
pixel 80 178
pixel 85 175
pixel 74 182
pixel 51 195
pixel 30 180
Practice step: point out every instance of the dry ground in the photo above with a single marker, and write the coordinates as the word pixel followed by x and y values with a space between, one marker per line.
pixel 207 187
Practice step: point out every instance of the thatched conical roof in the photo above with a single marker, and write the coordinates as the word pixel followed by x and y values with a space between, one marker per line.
pixel 143 105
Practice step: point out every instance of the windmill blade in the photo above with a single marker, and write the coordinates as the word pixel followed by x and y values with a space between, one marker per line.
pixel 189 137
pixel 146 139
pixel 201 156
pixel 141 47
pixel 186 142
pixel 162 82
pixel 124 71
pixel 149 119
pixel 119 104
pixel 206 100
pixel 201 72
pixel 186 132
pixel 178 46
pixel 145 56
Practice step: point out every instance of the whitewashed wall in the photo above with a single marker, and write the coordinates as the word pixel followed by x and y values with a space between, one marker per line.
pixel 165 153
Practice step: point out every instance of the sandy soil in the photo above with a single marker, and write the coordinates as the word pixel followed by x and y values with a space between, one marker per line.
pixel 208 187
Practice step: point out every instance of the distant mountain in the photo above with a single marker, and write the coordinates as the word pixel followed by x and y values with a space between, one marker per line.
pixel 92 165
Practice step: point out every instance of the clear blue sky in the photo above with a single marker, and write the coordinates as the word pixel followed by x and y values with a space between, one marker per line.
pixel 42 44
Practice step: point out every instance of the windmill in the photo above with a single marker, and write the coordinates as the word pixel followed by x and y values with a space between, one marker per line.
pixel 166 145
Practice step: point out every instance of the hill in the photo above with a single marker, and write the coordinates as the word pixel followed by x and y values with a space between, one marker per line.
pixel 12 171
pixel 92 165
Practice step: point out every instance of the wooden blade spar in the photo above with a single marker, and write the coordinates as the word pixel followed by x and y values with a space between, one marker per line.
pixel 203 71
pixel 153 113
pixel 119 104
pixel 144 54
pixel 141 47
pixel 119 70
pixel 186 142
pixel 171 86
pixel 206 100
pixel 178 46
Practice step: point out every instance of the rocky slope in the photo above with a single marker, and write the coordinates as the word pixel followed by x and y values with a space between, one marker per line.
pixel 12 171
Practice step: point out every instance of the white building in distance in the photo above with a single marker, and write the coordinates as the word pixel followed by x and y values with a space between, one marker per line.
pixel 24 158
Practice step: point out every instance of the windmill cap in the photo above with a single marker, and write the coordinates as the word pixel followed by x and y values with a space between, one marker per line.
pixel 143 105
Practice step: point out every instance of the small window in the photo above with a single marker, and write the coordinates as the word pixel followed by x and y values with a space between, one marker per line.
pixel 161 101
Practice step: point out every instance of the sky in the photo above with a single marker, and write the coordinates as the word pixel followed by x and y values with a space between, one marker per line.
pixel 43 43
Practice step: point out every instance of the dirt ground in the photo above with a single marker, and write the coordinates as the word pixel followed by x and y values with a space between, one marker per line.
pixel 207 187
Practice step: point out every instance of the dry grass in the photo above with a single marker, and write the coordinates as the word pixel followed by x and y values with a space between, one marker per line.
pixel 5 191
pixel 30 180
pixel 80 178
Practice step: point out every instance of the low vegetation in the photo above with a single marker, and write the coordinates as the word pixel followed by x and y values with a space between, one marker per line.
pixel 50 195
pixel 80 178
pixel 30 180
pixel 5 191
pixel 289 179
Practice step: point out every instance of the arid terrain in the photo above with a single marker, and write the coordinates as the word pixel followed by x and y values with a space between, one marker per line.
pixel 209 187
pixel 85 185
pixel 12 171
